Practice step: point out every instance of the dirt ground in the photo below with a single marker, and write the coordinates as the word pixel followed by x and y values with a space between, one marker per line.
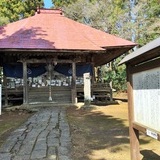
pixel 98 133
pixel 9 121
pixel 101 133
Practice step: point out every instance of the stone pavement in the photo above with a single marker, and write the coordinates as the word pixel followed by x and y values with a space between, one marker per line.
pixel 45 136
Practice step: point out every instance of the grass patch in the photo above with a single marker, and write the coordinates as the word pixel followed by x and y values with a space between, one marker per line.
pixel 9 121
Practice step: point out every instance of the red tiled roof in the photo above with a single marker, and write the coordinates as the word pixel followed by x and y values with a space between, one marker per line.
pixel 51 30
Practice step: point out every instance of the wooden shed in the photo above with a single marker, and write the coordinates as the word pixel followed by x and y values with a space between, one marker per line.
pixel 51 41
pixel 143 78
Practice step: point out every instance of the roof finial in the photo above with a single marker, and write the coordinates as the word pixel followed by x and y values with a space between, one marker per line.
pixel 38 8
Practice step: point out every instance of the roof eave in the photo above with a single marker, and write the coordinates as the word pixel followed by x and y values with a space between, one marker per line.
pixel 139 53
pixel 150 54
pixel 119 46
pixel 51 50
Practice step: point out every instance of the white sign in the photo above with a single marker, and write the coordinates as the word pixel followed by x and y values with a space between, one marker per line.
pixel 87 86
pixel 0 99
pixel 146 98
pixel 152 134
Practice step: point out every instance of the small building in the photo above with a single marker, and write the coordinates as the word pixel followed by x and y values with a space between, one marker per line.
pixel 46 55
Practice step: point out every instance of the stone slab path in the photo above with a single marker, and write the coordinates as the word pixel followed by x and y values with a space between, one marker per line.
pixel 45 136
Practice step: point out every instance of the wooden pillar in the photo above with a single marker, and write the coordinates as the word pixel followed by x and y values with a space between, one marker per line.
pixel 25 84
pixel 93 69
pixel 5 90
pixel 134 134
pixel 74 92
pixel 50 67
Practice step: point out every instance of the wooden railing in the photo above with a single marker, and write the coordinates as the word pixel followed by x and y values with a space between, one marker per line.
pixel 99 92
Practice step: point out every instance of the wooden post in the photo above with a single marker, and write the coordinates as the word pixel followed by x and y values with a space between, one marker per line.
pixel 93 69
pixel 74 93
pixel 134 134
pixel 25 85
pixel 111 94
pixel 50 79
pixel 5 90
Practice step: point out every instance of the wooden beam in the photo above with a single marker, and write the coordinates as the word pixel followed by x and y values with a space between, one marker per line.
pixel 32 61
pixel 144 129
pixel 48 51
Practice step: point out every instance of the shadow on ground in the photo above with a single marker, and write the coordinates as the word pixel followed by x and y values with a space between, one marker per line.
pixel 149 155
pixel 99 134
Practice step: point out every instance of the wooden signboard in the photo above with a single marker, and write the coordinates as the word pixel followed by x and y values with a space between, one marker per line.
pixel 144 103
pixel 146 99
pixel 143 83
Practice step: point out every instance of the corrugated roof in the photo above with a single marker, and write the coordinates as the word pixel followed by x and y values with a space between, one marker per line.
pixel 51 30
pixel 141 51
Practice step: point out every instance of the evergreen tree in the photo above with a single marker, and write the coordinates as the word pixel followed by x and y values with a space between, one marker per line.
pixel 137 20
pixel 62 3
pixel 14 10
pixel 147 20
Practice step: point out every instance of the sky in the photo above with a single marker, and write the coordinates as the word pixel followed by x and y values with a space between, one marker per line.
pixel 48 3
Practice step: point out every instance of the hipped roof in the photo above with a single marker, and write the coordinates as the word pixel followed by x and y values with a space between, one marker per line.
pixel 52 31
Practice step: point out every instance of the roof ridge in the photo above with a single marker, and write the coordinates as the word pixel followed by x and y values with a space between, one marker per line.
pixel 49 11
